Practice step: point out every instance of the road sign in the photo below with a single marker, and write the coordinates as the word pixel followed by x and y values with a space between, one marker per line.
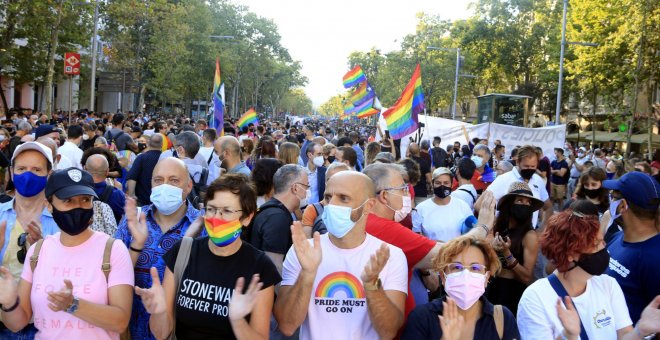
pixel 71 63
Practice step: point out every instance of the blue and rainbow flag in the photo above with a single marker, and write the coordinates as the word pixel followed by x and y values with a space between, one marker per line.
pixel 401 118
pixel 249 117
pixel 354 77
pixel 218 101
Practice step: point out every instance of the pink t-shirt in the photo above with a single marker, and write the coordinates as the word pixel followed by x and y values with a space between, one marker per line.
pixel 82 265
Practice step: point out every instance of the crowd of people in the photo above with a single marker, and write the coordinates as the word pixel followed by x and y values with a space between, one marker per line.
pixel 134 226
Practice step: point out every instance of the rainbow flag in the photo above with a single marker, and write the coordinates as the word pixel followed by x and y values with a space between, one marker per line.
pixel 354 77
pixel 368 111
pixel 348 107
pixel 363 93
pixel 248 117
pixel 401 118
pixel 218 101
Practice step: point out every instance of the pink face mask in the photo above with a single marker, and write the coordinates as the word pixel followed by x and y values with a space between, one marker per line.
pixel 465 287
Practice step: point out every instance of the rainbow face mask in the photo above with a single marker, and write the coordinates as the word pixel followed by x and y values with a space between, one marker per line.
pixel 222 233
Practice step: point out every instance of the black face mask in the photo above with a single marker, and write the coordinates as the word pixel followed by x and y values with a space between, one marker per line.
pixel 331 159
pixel 596 263
pixel 591 193
pixel 442 191
pixel 455 149
pixel 142 146
pixel 521 213
pixel 74 221
pixel 527 173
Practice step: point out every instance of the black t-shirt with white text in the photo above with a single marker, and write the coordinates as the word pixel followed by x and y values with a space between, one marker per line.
pixel 202 302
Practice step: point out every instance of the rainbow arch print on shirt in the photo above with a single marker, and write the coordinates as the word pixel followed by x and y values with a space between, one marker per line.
pixel 338 283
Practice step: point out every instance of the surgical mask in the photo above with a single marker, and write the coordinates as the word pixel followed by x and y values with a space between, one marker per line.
pixel 521 213
pixel 85 137
pixel 304 201
pixel 580 154
pixel 337 219
pixel 2 138
pixel 613 207
pixel 478 161
pixel 595 263
pixel 610 175
pixel 74 221
pixel 465 287
pixel 527 173
pixel 442 191
pixel 167 198
pixel 318 161
pixel 406 208
pixel 29 184
pixel 222 233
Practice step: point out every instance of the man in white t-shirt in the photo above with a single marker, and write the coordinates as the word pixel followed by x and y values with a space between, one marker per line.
pixel 345 284
pixel 465 191
pixel 441 217
pixel 206 150
pixel 576 164
pixel 524 171
pixel 70 149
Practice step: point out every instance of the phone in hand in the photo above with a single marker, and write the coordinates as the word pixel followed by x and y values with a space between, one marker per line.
pixel 387 134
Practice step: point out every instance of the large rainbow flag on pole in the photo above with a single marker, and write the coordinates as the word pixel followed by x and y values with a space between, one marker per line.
pixel 401 118
pixel 218 101
pixel 248 117
pixel 354 77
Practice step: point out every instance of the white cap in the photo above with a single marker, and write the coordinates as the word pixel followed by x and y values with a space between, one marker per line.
pixel 36 146
pixel 441 171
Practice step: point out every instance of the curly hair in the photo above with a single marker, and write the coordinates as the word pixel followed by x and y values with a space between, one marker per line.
pixel 460 244
pixel 568 234
pixel 412 168
pixel 239 185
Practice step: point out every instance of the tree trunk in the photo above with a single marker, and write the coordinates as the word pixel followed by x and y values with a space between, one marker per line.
pixel 4 99
pixel 51 61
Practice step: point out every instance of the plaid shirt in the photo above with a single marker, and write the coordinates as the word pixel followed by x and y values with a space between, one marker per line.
pixel 157 244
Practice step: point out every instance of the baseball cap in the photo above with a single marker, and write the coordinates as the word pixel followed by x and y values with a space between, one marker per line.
pixel 639 188
pixel 441 171
pixel 36 146
pixel 45 129
pixel 70 182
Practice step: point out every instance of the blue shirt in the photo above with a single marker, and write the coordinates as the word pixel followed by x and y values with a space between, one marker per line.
pixel 7 213
pixel 157 244
pixel 241 168
pixel 116 201
pixel 636 268
pixel 360 155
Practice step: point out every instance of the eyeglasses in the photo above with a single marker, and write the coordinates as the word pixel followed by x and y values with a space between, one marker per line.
pixel 223 212
pixel 403 189
pixel 459 267
pixel 22 241
pixel 304 185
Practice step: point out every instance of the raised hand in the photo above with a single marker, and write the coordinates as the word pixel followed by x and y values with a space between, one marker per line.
pixel 196 227
pixel 376 264
pixel 309 256
pixel 502 244
pixel 62 299
pixel 451 320
pixel 8 287
pixel 34 232
pixel 137 225
pixel 242 304
pixel 153 298
pixel 487 211
pixel 649 322
pixel 569 318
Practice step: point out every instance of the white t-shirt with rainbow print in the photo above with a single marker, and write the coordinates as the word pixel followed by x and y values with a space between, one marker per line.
pixel 338 304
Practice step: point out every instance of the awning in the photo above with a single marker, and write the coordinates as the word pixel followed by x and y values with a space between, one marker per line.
pixel 603 136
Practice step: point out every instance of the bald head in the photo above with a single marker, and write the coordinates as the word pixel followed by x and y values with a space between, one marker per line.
pixel 156 142
pixel 413 148
pixel 351 183
pixel 229 144
pixel 97 165
pixel 174 172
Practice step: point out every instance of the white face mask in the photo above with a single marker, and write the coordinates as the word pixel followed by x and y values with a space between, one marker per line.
pixel 318 161
pixel 85 137
pixel 303 202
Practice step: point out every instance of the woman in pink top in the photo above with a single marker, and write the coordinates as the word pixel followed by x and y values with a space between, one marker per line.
pixel 63 287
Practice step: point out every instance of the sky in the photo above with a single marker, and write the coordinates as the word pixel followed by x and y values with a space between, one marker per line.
pixel 322 33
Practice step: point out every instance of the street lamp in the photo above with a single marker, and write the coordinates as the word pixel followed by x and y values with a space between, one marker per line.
pixel 92 80
pixel 561 60
pixel 458 66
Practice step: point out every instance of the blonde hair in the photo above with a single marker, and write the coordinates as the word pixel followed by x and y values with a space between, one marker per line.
pixel 289 153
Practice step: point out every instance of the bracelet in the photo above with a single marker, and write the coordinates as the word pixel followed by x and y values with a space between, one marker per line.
pixel 485 228
pixel 135 249
pixel 512 265
pixel 509 258
pixel 563 334
pixel 11 309
pixel 641 336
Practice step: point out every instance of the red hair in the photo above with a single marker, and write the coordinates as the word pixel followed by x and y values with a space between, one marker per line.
pixel 568 234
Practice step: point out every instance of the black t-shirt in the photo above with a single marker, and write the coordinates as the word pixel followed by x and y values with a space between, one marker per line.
pixel 271 230
pixel 141 172
pixel 89 143
pixel 424 168
pixel 202 302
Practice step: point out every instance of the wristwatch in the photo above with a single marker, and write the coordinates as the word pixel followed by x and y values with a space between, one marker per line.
pixel 372 286
pixel 74 306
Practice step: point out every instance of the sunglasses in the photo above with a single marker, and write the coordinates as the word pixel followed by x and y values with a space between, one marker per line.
pixel 22 241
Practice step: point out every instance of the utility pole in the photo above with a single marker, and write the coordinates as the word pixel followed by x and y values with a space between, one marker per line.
pixel 92 81
pixel 51 60
pixel 561 64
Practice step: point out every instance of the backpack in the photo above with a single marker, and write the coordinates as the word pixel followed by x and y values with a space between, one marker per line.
pixel 199 188
pixel 318 224
pixel 440 157
pixel 106 266
pixel 112 141
pixel 105 195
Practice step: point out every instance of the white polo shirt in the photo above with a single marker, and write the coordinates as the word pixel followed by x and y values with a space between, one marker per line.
pixel 500 187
